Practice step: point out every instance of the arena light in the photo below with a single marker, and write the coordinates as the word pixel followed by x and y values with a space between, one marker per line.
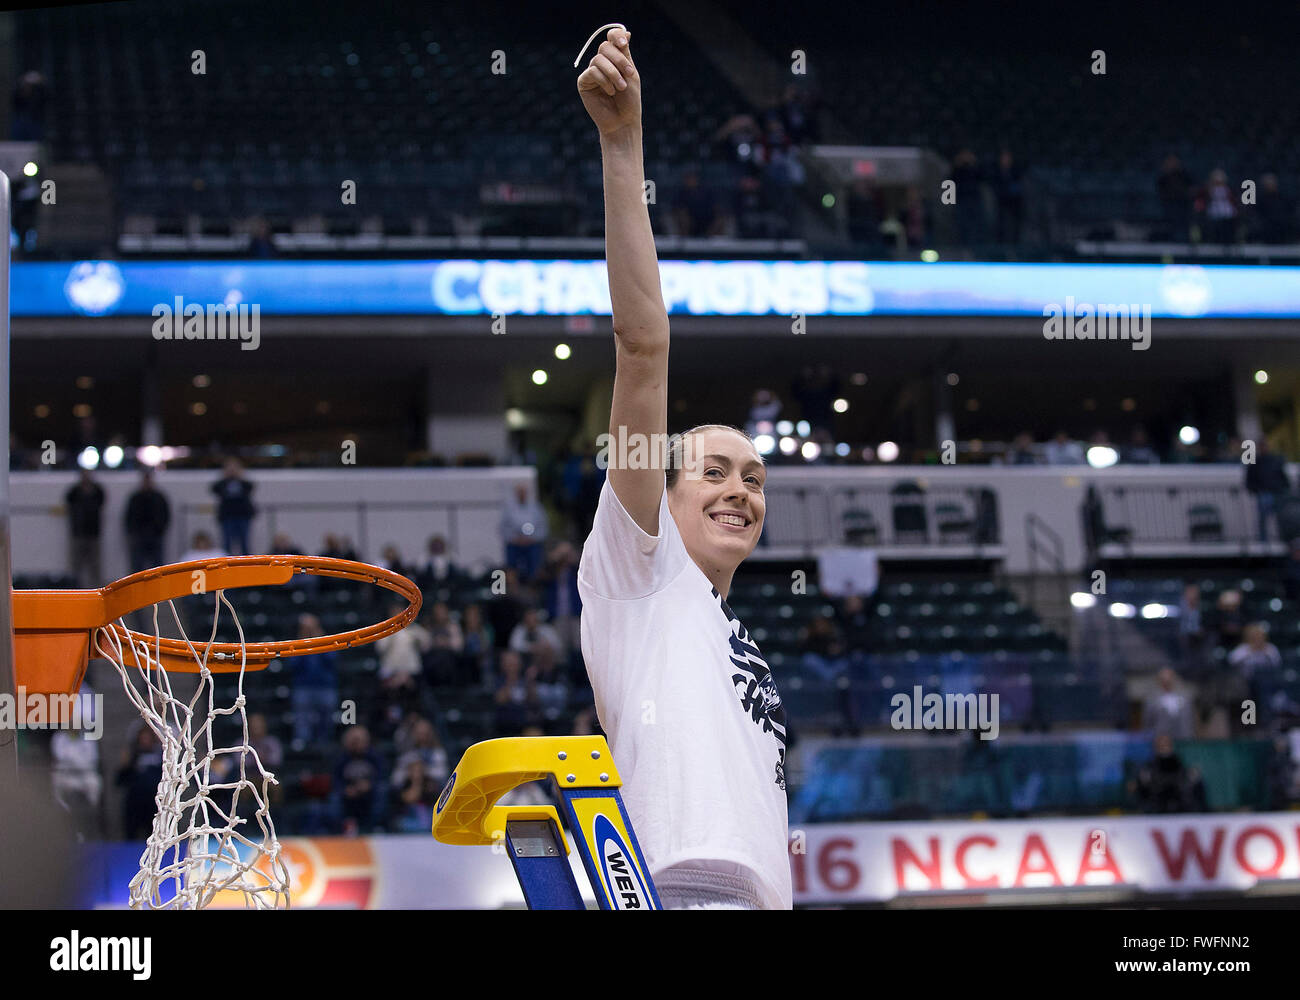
pixel 764 427
pixel 810 451
pixel 784 427
pixel 828 200
pixel 562 352
pixel 1102 456
pixel 1121 610
pixel 1261 376
pixel 1082 600
pixel 842 449
pixel 803 428
pixel 30 169
pixel 113 456
pixel 1188 434
pixel 202 381
pixel 1154 611
pixel 929 256
pixel 887 451
pixel 765 444
pixel 514 418
pixel 88 458
pixel 539 376
pixel 789 446
pixel 840 405
pixel 149 455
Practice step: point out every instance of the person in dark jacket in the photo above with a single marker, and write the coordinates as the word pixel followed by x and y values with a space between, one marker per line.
pixel 85 503
pixel 1267 479
pixel 235 510
pixel 147 516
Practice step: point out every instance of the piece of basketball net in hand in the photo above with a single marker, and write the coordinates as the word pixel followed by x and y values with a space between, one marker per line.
pixel 610 86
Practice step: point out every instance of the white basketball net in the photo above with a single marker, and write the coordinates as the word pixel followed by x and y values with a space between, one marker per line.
pixel 196 844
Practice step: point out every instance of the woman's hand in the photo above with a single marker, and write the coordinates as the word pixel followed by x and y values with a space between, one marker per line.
pixel 610 86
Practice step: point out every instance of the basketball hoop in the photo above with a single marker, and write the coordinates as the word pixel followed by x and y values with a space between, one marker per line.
pixel 196 843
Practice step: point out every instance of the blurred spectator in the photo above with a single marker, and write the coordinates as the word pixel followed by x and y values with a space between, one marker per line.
pixel 418 777
pixel 235 510
pixel 854 620
pixel 694 211
pixel 391 559
pixel 1174 185
pixel 547 681
pixel 1009 192
pixel 515 697
pixel 283 545
pixel 1216 205
pixel 314 694
pixel 763 413
pixel 202 546
pixel 78 787
pixel 1228 620
pixel 816 390
pixel 1280 775
pixel 359 785
pixel 28 121
pixel 505 610
pixel 862 209
pixel 752 209
pixel 147 516
pixel 559 579
pixel 741 137
pixel 799 114
pixel 260 240
pixel 969 182
pixel 1255 653
pixel 269 750
pixel 915 219
pixel 138 777
pixel 1139 451
pixel 1166 784
pixel 335 547
pixel 825 653
pixel 1267 479
pixel 85 503
pixel 475 662
pixel 1274 217
pixel 1291 572
pixel 531 633
pixel 1191 631
pixel 586 722
pixel 1061 450
pixel 1168 710
pixel 1022 450
pixel 445 645
pixel 438 568
pixel 401 662
pixel 524 530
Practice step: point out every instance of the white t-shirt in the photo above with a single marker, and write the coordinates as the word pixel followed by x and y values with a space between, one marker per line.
pixel 693 716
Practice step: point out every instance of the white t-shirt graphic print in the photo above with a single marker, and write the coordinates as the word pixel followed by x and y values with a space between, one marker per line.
pixel 692 713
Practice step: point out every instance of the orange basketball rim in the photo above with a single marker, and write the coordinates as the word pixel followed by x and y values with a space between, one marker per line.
pixel 54 630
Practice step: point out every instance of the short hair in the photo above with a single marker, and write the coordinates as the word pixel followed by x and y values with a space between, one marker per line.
pixel 675 448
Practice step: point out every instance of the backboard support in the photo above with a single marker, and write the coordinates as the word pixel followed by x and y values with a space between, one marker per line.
pixel 8 687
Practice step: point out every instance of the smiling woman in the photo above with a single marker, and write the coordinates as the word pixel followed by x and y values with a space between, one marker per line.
pixel 683 693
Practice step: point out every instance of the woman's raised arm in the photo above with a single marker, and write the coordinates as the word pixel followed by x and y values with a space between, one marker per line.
pixel 638 421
